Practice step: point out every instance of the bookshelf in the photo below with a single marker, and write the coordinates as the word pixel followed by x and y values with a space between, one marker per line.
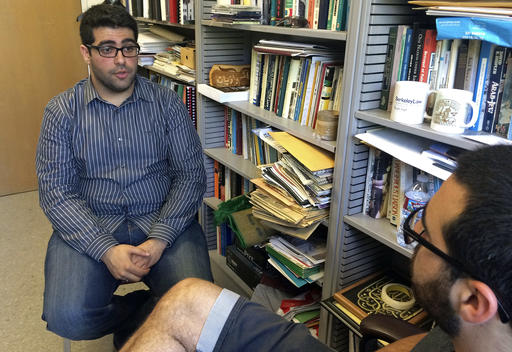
pixel 220 43
pixel 348 257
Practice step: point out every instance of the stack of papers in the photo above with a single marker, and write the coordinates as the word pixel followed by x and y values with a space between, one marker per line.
pixel 300 261
pixel 169 62
pixel 152 43
pixel 236 14
pixel 304 309
pixel 294 193
pixel 278 47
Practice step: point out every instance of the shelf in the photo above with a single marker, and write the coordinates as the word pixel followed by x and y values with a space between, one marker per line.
pixel 168 24
pixel 305 133
pixel 301 32
pixel 163 73
pixel 235 162
pixel 379 229
pixel 221 272
pixel 381 117
pixel 212 202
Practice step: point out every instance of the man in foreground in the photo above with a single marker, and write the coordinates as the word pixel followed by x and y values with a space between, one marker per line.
pixel 121 177
pixel 460 272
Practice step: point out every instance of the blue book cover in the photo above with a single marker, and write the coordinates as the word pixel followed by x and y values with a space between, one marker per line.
pixel 406 57
pixel 482 77
pixel 485 29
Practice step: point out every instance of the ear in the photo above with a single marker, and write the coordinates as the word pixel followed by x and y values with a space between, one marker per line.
pixel 474 301
pixel 85 54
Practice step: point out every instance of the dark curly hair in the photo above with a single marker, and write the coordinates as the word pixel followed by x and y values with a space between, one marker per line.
pixel 481 237
pixel 105 15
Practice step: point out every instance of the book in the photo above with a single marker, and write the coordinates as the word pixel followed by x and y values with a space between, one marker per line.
pixel 503 124
pixel 444 62
pixel 484 29
pixel 254 85
pixel 472 64
pixel 405 56
pixel 501 88
pixel 223 95
pixel 341 20
pixel 270 81
pixel 482 78
pixel 452 64
pixel 388 68
pixel 364 297
pixel 418 39
pixel 401 180
pixel 377 207
pixel 397 56
pixel 460 67
pixel 290 86
pixel 428 56
pixel 283 86
pixel 498 62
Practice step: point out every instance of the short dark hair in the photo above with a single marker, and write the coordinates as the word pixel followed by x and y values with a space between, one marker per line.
pixel 105 15
pixel 481 237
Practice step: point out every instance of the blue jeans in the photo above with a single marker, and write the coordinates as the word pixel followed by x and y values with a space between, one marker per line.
pixel 79 300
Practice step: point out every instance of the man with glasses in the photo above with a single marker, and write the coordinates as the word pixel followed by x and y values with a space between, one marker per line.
pixel 460 272
pixel 121 177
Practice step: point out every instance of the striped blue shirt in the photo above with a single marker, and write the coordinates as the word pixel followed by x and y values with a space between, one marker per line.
pixel 99 165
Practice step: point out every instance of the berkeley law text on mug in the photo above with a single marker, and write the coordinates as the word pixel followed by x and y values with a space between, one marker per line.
pixel 409 102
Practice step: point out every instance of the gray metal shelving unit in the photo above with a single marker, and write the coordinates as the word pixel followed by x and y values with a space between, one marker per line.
pixel 232 44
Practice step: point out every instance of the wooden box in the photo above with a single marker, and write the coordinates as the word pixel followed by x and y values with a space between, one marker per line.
pixel 188 57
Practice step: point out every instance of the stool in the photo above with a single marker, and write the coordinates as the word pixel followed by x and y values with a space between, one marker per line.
pixel 66 343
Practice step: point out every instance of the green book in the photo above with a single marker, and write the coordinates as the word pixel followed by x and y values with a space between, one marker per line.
pixel 284 84
pixel 300 271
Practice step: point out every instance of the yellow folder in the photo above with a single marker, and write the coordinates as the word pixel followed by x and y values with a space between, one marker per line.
pixel 312 157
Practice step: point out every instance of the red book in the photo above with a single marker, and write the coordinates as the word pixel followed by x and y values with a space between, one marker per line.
pixel 216 190
pixel 173 11
pixel 428 56
pixel 311 13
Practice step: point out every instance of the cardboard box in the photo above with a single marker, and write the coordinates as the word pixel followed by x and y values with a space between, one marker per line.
pixel 188 57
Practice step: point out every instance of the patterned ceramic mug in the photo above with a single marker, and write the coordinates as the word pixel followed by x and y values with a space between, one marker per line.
pixel 451 110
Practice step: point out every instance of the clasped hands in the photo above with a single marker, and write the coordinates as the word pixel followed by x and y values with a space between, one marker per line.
pixel 131 263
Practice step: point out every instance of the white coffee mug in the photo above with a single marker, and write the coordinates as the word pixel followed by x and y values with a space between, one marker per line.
pixel 451 110
pixel 409 102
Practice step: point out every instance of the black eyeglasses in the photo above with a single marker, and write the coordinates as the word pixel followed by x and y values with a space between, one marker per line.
pixel 111 51
pixel 418 215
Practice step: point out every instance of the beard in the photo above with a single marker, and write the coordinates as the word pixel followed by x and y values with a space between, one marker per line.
pixel 109 81
pixel 434 297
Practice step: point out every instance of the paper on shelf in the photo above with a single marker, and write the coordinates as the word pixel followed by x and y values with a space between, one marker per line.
pixel 488 139
pixel 312 157
pixel 220 96
pixel 404 147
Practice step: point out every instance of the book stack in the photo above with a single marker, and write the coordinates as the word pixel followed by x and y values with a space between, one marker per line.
pixel 168 63
pixel 236 14
pixel 295 80
pixel 466 53
pixel 304 309
pixel 298 260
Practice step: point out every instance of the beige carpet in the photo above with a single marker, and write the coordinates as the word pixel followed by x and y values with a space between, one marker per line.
pixel 24 233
